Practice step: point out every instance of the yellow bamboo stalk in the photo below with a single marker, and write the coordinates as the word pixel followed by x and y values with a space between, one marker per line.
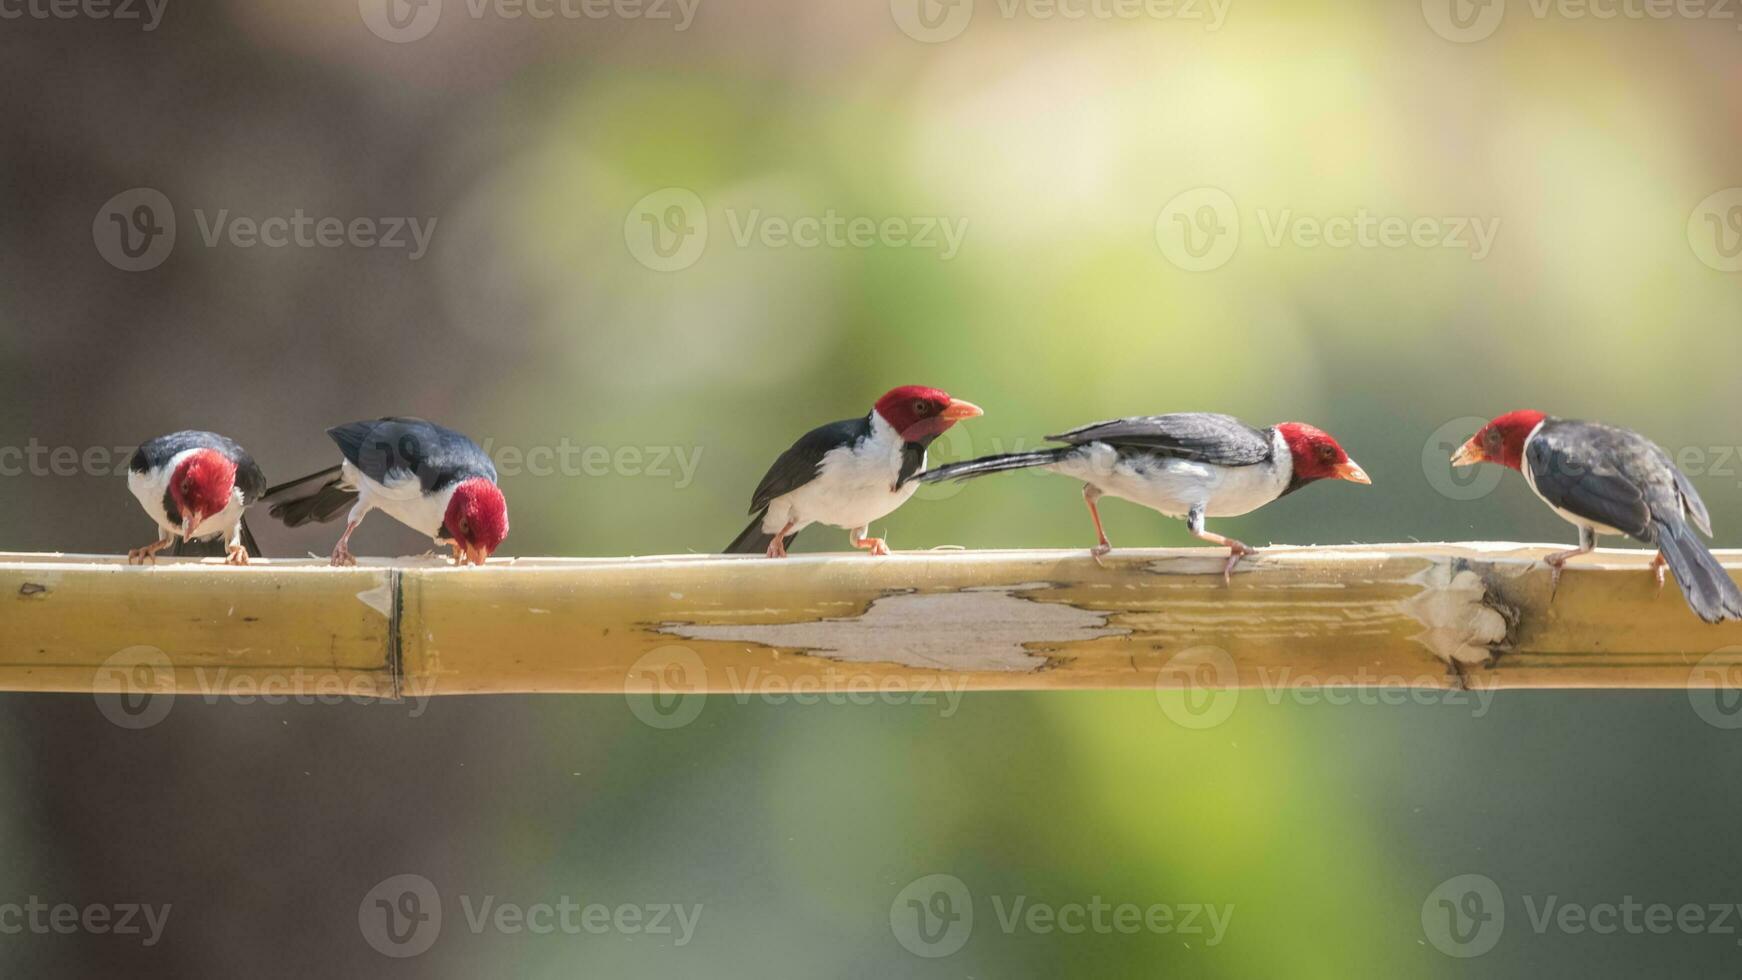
pixel 1419 615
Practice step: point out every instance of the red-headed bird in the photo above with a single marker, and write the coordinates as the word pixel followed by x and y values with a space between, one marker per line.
pixel 849 473
pixel 196 485
pixel 1608 480
pixel 1193 465
pixel 427 477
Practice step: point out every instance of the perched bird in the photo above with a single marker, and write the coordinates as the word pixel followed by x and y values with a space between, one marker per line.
pixel 1190 464
pixel 427 477
pixel 196 485
pixel 850 473
pixel 1607 480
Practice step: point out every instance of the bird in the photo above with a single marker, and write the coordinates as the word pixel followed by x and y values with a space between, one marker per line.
pixel 1604 479
pixel 196 486
pixel 429 478
pixel 849 473
pixel 1194 465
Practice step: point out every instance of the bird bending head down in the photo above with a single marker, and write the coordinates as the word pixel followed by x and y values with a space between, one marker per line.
pixel 477 519
pixel 201 486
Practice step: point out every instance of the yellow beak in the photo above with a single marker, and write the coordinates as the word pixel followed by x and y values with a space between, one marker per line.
pixel 959 410
pixel 1352 472
pixel 1469 453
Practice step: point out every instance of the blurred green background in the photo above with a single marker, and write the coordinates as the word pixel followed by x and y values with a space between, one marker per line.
pixel 563 302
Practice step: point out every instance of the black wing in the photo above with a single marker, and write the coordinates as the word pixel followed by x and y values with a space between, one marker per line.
pixel 156 453
pixel 798 465
pixel 1199 436
pixel 389 449
pixel 1606 475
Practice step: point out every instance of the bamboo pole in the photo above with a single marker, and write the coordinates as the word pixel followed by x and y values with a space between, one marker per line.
pixel 1419 615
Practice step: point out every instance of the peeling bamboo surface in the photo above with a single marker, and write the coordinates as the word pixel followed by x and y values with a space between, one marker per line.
pixel 1419 615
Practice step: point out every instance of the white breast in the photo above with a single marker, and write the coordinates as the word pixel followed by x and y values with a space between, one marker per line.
pixel 852 487
pixel 149 489
pixel 1175 486
pixel 402 499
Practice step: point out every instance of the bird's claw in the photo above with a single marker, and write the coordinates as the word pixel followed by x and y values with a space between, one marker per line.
pixel 1554 578
pixel 1657 570
pixel 146 555
pixel 236 555
pixel 1100 551
pixel 342 557
pixel 1234 556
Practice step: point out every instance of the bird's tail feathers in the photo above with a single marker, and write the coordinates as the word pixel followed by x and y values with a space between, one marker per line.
pixel 1004 462
pixel 1708 588
pixel 318 497
pixel 753 540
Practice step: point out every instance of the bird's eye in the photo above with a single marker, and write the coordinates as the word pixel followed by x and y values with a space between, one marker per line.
pixel 465 527
pixel 1492 438
pixel 922 408
pixel 1327 454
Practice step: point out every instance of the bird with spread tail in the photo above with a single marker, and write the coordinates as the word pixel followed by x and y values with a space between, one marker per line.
pixel 196 485
pixel 1607 480
pixel 1194 465
pixel 429 478
pixel 849 473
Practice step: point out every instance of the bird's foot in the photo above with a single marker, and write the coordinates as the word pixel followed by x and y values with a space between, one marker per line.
pixel 146 555
pixel 236 555
pixel 776 549
pixel 1100 551
pixel 1236 551
pixel 1657 566
pixel 342 557
pixel 877 546
pixel 1555 567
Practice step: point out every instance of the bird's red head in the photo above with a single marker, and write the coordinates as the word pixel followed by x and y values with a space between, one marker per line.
pixel 1317 456
pixel 1500 441
pixel 922 414
pixel 201 486
pixel 477 518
